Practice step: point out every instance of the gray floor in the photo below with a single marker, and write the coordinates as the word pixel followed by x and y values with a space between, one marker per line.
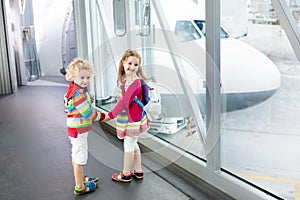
pixel 35 154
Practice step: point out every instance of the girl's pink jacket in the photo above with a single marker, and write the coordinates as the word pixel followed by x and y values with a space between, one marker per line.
pixel 133 110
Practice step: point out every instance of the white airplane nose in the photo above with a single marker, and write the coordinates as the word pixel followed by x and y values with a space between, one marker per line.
pixel 259 73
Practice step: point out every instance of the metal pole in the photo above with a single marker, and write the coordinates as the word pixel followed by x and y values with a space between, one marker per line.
pixel 213 96
pixel 289 24
pixel 81 32
pixel 180 70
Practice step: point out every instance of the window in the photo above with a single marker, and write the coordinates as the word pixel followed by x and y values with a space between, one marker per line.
pixel 119 17
pixel 186 31
pixel 201 25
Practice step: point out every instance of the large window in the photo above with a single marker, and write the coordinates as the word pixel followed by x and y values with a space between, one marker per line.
pixel 260 142
pixel 259 87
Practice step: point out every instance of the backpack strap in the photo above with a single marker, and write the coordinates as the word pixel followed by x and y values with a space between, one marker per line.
pixel 135 99
pixel 138 102
pixel 145 99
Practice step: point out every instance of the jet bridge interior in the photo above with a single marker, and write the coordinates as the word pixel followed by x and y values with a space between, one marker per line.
pixel 228 127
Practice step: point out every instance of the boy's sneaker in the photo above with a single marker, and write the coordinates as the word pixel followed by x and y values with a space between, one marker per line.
pixel 121 177
pixel 88 187
pixel 137 175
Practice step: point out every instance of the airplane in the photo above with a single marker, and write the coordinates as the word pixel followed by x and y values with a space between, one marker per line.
pixel 248 77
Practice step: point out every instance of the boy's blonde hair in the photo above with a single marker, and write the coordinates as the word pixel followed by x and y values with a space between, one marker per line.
pixel 127 54
pixel 76 66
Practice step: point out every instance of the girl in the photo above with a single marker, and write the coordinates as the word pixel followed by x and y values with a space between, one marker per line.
pixel 130 119
pixel 79 121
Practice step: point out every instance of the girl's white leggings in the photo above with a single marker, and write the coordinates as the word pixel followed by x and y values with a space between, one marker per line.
pixel 130 144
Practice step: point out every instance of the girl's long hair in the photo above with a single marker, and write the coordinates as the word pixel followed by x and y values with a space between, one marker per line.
pixel 121 71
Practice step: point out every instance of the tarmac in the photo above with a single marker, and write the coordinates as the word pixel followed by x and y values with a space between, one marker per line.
pixel 261 143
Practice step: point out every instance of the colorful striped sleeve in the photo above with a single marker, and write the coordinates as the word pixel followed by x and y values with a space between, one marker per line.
pixel 85 108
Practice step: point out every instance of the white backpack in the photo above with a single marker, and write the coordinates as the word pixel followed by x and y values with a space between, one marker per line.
pixel 151 95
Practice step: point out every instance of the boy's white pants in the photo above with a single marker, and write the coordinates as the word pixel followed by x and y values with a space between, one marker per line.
pixel 80 148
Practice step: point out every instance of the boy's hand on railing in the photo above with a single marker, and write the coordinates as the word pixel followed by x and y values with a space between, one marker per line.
pixel 92 99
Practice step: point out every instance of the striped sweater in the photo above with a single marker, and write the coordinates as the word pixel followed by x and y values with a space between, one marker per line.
pixel 80 113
